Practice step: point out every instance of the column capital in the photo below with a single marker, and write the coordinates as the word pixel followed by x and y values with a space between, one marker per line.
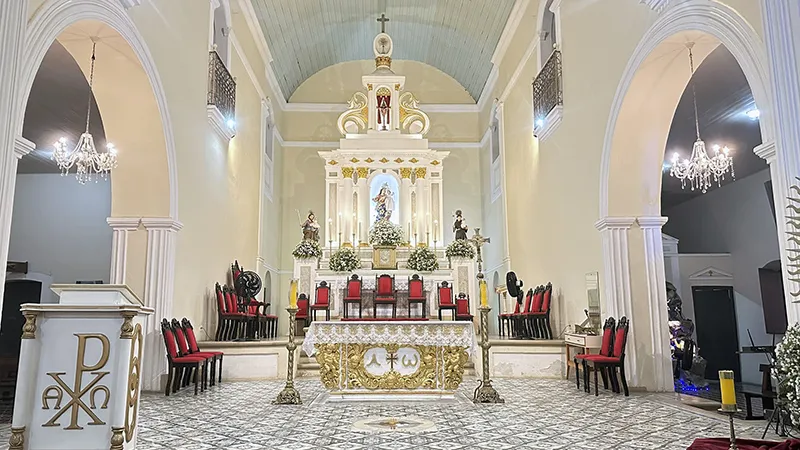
pixel 607 223
pixel 161 223
pixel 651 221
pixel 766 150
pixel 124 223
pixel 22 146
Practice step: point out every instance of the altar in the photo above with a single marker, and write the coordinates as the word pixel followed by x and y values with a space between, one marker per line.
pixel 391 359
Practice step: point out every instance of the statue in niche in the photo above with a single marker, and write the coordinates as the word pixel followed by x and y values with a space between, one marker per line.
pixel 310 227
pixel 460 226
pixel 384 108
pixel 384 203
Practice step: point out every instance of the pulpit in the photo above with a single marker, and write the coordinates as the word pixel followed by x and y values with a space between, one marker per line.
pixel 79 369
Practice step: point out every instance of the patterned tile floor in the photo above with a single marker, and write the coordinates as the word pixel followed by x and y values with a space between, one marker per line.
pixel 538 414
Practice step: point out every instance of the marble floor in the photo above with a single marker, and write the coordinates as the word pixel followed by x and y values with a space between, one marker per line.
pixel 538 414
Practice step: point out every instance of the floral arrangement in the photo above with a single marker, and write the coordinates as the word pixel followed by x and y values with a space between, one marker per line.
pixel 307 249
pixel 788 369
pixel 345 260
pixel 423 260
pixel 385 234
pixel 460 248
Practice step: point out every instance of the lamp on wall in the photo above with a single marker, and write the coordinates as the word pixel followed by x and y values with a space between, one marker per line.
pixel 84 156
pixel 700 168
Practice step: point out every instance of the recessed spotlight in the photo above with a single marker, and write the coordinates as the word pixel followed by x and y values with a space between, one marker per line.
pixel 753 114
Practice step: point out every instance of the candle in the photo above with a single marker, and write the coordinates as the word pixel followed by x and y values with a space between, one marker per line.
pixel 409 232
pixel 339 223
pixel 293 294
pixel 435 230
pixel 484 294
pixel 727 389
pixel 359 230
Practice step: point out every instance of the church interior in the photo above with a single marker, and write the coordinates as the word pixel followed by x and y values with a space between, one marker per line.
pixel 442 224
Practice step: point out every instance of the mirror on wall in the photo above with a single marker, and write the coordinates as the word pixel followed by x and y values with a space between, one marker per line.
pixel 592 323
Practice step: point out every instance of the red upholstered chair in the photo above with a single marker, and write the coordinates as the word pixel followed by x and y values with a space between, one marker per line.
pixel 177 365
pixel 267 323
pixel 194 349
pixel 229 318
pixel 505 319
pixel 445 294
pixel 416 293
pixel 606 349
pixel 384 294
pixel 322 301
pixel 613 362
pixel 185 350
pixel 235 271
pixel 352 295
pixel 302 310
pixel 462 307
pixel 519 319
pixel 539 317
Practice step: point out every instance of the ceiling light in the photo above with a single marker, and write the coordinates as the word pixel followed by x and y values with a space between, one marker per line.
pixel 753 114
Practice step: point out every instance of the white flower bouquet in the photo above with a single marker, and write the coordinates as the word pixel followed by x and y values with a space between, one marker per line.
pixel 345 260
pixel 460 248
pixel 307 249
pixel 422 259
pixel 385 234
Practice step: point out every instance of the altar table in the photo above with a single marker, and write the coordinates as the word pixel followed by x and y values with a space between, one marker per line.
pixel 391 357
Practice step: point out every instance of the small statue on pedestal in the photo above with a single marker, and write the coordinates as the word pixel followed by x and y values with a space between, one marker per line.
pixel 310 227
pixel 460 226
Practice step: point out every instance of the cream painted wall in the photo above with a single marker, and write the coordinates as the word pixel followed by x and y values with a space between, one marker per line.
pixel 461 175
pixel 272 245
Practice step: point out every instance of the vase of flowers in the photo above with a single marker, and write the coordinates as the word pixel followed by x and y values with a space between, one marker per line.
pixel 345 259
pixel 460 248
pixel 385 237
pixel 307 249
pixel 422 259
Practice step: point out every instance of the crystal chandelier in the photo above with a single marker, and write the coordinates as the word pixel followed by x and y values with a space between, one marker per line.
pixel 700 168
pixel 84 156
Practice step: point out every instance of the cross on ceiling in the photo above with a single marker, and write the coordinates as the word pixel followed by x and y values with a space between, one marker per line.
pixel 382 19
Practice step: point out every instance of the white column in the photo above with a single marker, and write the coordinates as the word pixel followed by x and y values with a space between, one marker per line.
pixel 423 207
pixel 405 199
pixel 657 300
pixel 672 269
pixel 617 280
pixel 158 294
pixel 347 211
pixel 363 203
pixel 781 20
pixel 119 245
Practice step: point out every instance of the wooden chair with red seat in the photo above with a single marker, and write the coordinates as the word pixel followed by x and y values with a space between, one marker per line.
pixel 177 365
pixel 272 319
pixel 352 295
pixel 445 299
pixel 416 294
pixel 194 350
pixel 462 307
pixel 613 362
pixel 539 318
pixel 322 301
pixel 183 350
pixel 505 320
pixel 302 310
pixel 384 294
pixel 248 309
pixel 519 320
pixel 606 348
pixel 228 316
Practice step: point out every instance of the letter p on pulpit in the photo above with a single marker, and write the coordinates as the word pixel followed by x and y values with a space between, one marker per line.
pixel 79 368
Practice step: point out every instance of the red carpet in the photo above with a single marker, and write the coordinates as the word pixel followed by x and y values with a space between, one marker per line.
pixel 743 444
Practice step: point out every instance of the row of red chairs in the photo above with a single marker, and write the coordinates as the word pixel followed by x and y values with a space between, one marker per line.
pixel 185 360
pixel 610 359
pixel 240 318
pixel 532 321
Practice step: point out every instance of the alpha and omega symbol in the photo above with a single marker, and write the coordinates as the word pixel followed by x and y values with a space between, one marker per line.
pixel 77 393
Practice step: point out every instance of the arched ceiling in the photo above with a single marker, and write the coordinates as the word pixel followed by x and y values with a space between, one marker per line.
pixel 456 36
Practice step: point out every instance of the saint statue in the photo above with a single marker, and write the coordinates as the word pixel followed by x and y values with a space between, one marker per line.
pixel 384 203
pixel 460 226
pixel 383 112
pixel 310 227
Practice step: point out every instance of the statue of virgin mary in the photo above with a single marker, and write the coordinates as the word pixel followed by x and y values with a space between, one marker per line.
pixel 384 203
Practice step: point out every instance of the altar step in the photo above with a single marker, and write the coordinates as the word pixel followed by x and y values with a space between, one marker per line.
pixel 308 367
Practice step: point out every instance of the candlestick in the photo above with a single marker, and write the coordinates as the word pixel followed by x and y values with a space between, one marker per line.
pixel 339 242
pixel 427 238
pixel 359 233
pixel 330 228
pixel 339 224
pixel 728 390
pixel 435 230
pixel 484 294
pixel 293 293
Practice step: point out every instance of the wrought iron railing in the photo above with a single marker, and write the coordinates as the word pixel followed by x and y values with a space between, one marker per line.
pixel 547 88
pixel 221 86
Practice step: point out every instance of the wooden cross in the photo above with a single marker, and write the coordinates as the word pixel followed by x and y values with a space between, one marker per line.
pixel 478 241
pixel 382 19
pixel 391 358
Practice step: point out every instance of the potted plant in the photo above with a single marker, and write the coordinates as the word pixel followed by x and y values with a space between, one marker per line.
pixel 384 237
pixel 422 259
pixel 345 259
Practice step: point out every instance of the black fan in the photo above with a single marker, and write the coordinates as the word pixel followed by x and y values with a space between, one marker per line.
pixel 514 286
pixel 248 284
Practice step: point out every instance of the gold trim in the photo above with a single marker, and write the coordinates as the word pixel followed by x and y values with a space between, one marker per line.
pixel 395 392
pixel 332 162
pixel 425 377
pixel 328 356
pixel 126 330
pixel 420 172
pixel 17 439
pixel 29 328
pixel 383 61
pixel 413 160
pixel 397 86
pixel 354 160
pixel 363 172
pixel 369 86
pixel 435 163
pixel 369 160
pixel 398 160
pixel 405 172
pixel 384 160
pixel 134 371
pixel 347 172
pixel 384 91
pixel 117 440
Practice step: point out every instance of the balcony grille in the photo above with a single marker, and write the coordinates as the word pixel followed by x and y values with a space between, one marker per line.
pixel 547 89
pixel 221 86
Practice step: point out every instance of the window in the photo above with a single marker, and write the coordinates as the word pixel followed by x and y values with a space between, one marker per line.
pixel 268 157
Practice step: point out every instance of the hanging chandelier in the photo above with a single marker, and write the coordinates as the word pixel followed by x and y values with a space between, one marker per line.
pixel 88 162
pixel 700 168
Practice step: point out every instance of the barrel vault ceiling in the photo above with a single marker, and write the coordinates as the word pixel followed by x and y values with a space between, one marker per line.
pixel 456 36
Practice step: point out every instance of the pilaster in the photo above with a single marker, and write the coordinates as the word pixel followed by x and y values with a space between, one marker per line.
pixel 119 245
pixel 405 206
pixel 363 203
pixel 158 293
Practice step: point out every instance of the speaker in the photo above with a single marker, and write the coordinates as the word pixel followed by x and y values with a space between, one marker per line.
pixel 772 300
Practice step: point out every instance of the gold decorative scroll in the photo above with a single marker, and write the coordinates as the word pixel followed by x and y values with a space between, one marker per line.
pixel 426 377
pixel 410 113
pixel 793 238
pixel 328 357
pixel 420 172
pixel 405 172
pixel 356 113
pixel 362 172
pixel 134 371
pixel 454 360
pixel 347 172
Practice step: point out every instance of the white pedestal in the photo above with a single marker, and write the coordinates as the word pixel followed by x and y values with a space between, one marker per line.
pixel 80 362
pixel 305 271
pixel 464 273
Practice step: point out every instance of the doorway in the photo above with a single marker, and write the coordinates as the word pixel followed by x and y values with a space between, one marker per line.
pixel 717 333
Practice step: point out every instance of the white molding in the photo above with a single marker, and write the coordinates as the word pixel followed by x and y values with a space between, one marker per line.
pixel 335 144
pixel 130 3
pixel 655 275
pixel 551 122
pixel 670 245
pixel 532 46
pixel 246 63
pixel 219 124
pixel 456 108
pixel 119 246
pixel 608 223
pixel 510 30
pixel 161 223
pixel 656 5
pixel 710 17
pixel 652 221
pixel 124 223
pixel 246 8
pixel 488 88
pixel 23 146
pixel 711 274
pixel 766 151
pixel 46 25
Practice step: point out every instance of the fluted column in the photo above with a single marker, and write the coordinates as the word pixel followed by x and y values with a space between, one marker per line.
pixel 618 301
pixel 158 294
pixel 363 202
pixel 423 203
pixel 119 245
pixel 405 200
pixel 347 211
pixel 657 300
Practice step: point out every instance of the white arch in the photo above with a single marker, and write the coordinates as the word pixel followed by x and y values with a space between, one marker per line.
pixel 50 21
pixel 710 17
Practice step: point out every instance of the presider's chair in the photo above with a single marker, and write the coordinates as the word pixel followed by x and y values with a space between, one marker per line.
pixel 385 294
pixel 445 300
pixel 322 301
pixel 352 295
pixel 416 294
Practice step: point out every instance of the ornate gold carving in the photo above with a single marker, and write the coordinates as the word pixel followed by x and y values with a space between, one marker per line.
pixel 134 371
pixel 793 237
pixel 383 91
pixel 410 113
pixel 413 160
pixel 397 86
pixel 454 360
pixel 420 172
pixel 384 160
pixel 426 377
pixel 369 86
pixel 328 357
pixel 355 113
pixel 117 441
pixel 354 160
pixel 383 61
pixel 405 172
pixel 435 163
pixel 126 330
pixel 17 439
pixel 347 172
pixel 332 162
pixel 78 390
pixel 398 160
pixel 362 172
pixel 369 160
pixel 29 328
